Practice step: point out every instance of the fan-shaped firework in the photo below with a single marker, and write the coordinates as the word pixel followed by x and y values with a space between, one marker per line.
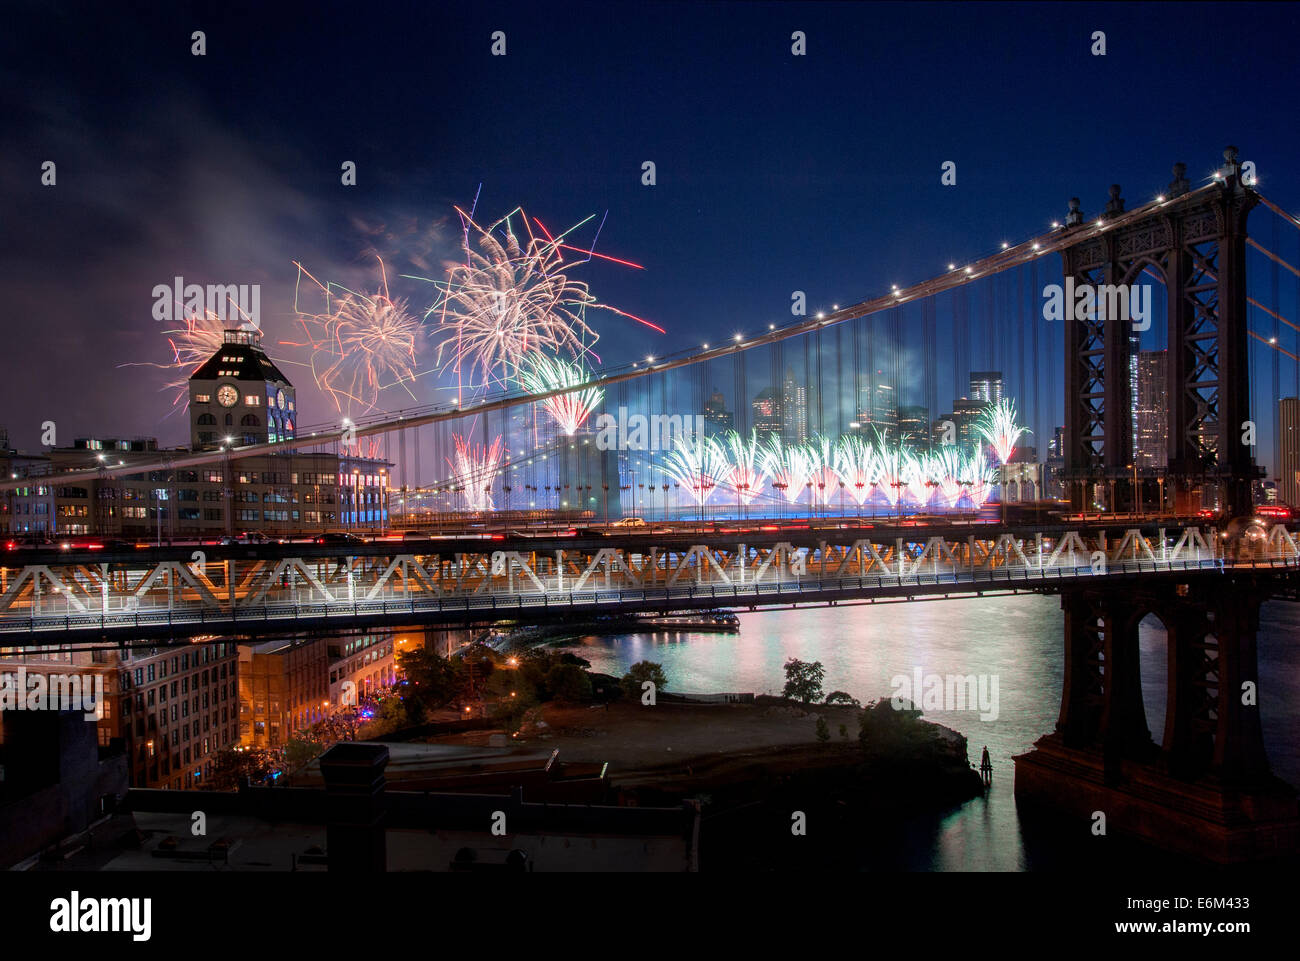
pixel 473 468
pixel 747 472
pixel 820 454
pixel 857 466
pixel 978 478
pixel 540 374
pixel 361 344
pixel 945 468
pixel 699 464
pixel 789 468
pixel 918 481
pixel 890 478
pixel 997 425
pixel 510 300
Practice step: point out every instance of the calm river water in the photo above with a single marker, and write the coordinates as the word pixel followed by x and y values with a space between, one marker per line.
pixel 1016 638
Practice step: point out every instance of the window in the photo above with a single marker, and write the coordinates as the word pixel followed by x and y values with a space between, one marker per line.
pixel 203 399
pixel 253 400
pixel 250 420
pixel 206 420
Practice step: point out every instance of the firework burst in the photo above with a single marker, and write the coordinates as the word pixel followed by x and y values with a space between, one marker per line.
pixel 917 478
pixel 360 345
pixel 511 299
pixel 747 472
pixel 857 466
pixel 788 467
pixel 473 468
pixel 889 479
pixel 997 425
pixel 820 456
pixel 945 468
pixel 700 465
pixel 978 478
pixel 192 345
pixel 540 374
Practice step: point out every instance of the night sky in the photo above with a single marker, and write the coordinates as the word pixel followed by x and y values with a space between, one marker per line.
pixel 775 172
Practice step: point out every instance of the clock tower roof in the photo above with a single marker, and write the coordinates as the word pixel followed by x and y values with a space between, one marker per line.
pixel 241 358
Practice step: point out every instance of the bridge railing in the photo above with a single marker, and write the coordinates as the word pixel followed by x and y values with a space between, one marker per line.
pixel 791 589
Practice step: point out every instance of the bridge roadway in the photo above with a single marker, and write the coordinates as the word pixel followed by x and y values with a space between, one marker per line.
pixel 52 596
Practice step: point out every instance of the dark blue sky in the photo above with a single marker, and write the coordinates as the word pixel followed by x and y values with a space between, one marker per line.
pixel 775 173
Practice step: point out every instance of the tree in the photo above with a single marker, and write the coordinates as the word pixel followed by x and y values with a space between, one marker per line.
pixel 432 680
pixel 568 682
pixel 841 697
pixel 230 767
pixel 639 673
pixel 513 698
pixel 823 730
pixel 299 751
pixel 803 680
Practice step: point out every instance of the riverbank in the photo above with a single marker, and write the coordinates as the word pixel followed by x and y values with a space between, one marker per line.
pixel 761 774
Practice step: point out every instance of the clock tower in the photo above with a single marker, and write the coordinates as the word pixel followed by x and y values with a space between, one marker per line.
pixel 239 397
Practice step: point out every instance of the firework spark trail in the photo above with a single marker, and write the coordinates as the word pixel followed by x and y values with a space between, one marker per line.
pixel 997 425
pixel 747 472
pixel 361 345
pixel 541 374
pixel 473 468
pixel 700 465
pixel 789 468
pixel 857 465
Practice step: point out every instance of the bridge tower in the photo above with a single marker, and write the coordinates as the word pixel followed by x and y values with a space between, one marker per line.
pixel 1194 241
pixel 1205 789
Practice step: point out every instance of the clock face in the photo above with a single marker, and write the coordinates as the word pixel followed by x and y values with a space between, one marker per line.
pixel 227 396
pixel 279 399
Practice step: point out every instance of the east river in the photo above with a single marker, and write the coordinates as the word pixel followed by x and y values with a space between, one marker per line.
pixel 1016 639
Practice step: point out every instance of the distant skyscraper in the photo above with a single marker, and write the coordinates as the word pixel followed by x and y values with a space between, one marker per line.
pixel 794 410
pixel 766 410
pixel 914 426
pixel 1288 451
pixel 986 386
pixel 879 409
pixel 1056 447
pixel 717 419
pixel 1151 411
pixel 965 412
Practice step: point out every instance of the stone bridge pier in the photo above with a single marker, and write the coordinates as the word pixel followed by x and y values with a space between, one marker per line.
pixel 1204 789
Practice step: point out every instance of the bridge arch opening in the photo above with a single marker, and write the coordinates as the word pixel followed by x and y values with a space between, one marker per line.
pixel 1153 663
